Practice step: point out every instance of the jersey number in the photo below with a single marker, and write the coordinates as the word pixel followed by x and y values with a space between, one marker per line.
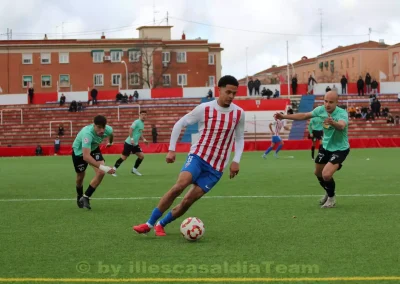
pixel 320 156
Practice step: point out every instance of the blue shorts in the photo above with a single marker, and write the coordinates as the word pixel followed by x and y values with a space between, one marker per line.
pixel 203 174
pixel 276 139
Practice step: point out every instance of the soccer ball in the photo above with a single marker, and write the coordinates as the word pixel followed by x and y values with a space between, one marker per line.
pixel 192 229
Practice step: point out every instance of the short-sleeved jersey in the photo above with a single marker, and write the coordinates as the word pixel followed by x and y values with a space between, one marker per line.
pixel 137 126
pixel 334 140
pixel 277 126
pixel 87 138
pixel 315 124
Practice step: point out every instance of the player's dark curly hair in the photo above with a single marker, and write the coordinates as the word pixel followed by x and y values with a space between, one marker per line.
pixel 100 120
pixel 228 80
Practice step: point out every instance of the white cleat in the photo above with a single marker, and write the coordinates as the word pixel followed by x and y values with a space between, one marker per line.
pixel 330 203
pixel 135 171
pixel 115 169
pixel 323 199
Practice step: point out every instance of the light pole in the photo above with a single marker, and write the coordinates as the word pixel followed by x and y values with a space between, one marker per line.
pixel 126 71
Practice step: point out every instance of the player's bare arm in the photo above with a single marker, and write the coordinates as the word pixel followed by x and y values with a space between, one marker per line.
pixel 110 140
pixel 144 140
pixel 131 135
pixel 270 128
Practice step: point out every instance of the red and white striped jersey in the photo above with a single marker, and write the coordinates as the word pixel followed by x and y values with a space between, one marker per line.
pixel 277 126
pixel 219 128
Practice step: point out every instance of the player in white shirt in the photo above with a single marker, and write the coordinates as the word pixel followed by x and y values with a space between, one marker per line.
pixel 221 124
pixel 275 128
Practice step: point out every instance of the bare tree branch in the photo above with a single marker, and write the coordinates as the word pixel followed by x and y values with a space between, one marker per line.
pixel 150 73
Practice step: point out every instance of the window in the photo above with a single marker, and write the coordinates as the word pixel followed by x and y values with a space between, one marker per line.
pixel 64 80
pixel 63 57
pixel 27 58
pixel 182 79
pixel 45 58
pixel 27 81
pixel 211 59
pixel 341 64
pixel 46 81
pixel 115 79
pixel 211 81
pixel 134 56
pixel 181 57
pixel 134 79
pixel 116 56
pixel 98 79
pixel 166 56
pixel 98 56
pixel 353 62
pixel 347 63
pixel 166 79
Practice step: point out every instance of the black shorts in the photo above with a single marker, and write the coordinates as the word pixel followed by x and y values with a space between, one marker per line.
pixel 80 164
pixel 129 148
pixel 317 135
pixel 336 157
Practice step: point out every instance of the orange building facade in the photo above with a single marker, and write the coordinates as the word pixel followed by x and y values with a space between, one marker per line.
pixel 352 61
pixel 153 60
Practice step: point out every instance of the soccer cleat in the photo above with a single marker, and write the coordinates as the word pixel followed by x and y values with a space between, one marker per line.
pixel 85 202
pixel 135 171
pixel 330 203
pixel 115 169
pixel 264 156
pixel 159 231
pixel 323 199
pixel 142 229
pixel 78 201
pixel 276 155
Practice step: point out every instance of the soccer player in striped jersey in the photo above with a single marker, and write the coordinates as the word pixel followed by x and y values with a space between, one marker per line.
pixel 276 128
pixel 221 124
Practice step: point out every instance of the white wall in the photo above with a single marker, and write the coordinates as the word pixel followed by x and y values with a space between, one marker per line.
pixel 258 121
pixel 18 99
pixel 390 87
pixel 74 96
pixel 200 92
pixel 143 93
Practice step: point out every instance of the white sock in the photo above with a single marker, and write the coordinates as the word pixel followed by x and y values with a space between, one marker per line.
pixel 148 224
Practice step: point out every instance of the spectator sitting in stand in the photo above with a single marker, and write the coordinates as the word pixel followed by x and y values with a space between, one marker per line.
pixel 276 95
pixel 390 119
pixel 73 107
pixel 119 97
pixel 80 106
pixel 135 96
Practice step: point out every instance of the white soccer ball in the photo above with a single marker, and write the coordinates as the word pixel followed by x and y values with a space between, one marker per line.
pixel 192 229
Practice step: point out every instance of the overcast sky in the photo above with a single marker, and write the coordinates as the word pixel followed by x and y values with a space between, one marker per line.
pixel 261 26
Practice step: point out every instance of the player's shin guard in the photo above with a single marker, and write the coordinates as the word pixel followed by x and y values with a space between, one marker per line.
pixel 330 187
pixel 89 191
pixel 268 150
pixel 79 191
pixel 279 148
pixel 312 152
pixel 321 182
pixel 118 163
pixel 137 163
pixel 155 215
pixel 167 219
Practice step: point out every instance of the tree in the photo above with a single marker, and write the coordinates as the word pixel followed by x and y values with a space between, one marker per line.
pixel 152 68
